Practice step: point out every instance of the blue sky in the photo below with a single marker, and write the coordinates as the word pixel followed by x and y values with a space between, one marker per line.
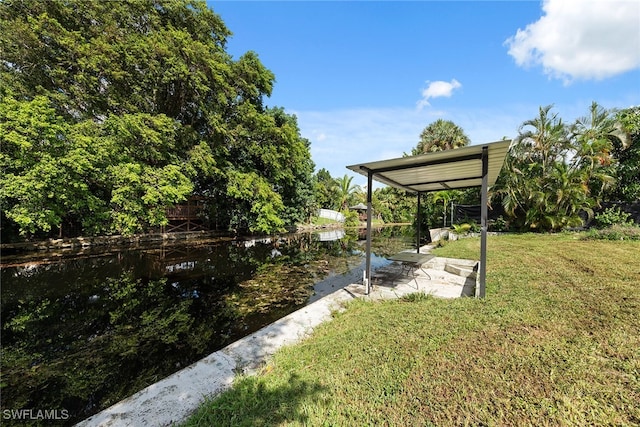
pixel 365 78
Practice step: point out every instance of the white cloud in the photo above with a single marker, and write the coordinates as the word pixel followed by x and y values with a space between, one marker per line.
pixel 581 39
pixel 437 89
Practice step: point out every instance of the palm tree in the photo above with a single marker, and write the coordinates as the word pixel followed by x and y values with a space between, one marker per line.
pixel 344 190
pixel 541 143
pixel 547 136
pixel 554 173
pixel 439 136
pixel 593 138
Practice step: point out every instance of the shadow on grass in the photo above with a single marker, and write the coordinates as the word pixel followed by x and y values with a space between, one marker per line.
pixel 252 403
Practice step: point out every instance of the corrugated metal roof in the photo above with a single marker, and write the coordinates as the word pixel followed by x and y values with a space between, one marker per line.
pixel 443 170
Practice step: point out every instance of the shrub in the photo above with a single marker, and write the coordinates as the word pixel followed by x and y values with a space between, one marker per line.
pixel 442 242
pixel 461 228
pixel 615 232
pixel 499 224
pixel 351 218
pixel 612 216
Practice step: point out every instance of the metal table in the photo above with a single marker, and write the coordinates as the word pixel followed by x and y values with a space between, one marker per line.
pixel 411 261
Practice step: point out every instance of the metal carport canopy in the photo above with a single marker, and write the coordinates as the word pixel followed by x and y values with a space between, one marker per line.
pixel 472 166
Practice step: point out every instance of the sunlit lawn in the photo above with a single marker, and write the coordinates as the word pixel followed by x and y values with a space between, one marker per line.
pixel 556 342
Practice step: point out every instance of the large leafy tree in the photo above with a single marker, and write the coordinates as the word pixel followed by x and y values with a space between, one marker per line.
pixel 555 173
pixel 267 181
pixel 324 189
pixel 439 136
pixel 135 106
pixel 50 169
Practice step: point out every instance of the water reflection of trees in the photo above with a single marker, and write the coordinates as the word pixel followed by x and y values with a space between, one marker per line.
pixel 387 241
pixel 84 334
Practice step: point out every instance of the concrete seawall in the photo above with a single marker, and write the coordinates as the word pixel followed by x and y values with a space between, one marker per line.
pixel 173 399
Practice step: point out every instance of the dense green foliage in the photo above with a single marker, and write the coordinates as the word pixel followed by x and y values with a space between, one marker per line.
pixel 393 205
pixel 626 150
pixel 614 224
pixel 624 231
pixel 110 112
pixel 344 190
pixel 324 190
pixel 611 216
pixel 556 174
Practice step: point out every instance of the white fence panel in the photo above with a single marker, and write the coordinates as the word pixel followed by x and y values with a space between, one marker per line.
pixel 331 235
pixel 329 214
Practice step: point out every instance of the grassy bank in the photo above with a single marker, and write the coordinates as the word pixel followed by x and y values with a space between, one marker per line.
pixel 556 342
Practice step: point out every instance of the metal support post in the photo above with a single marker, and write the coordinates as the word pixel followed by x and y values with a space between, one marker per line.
pixel 484 201
pixel 419 223
pixel 369 212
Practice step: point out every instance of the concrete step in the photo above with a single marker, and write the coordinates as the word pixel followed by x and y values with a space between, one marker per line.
pixel 458 270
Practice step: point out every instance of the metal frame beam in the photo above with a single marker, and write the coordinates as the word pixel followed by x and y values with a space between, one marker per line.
pixel 387 180
pixel 425 163
pixel 443 183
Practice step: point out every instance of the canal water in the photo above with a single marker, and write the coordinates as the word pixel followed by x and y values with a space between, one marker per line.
pixel 81 332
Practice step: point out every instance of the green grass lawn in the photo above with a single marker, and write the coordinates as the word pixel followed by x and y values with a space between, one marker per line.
pixel 556 342
pixel 317 221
